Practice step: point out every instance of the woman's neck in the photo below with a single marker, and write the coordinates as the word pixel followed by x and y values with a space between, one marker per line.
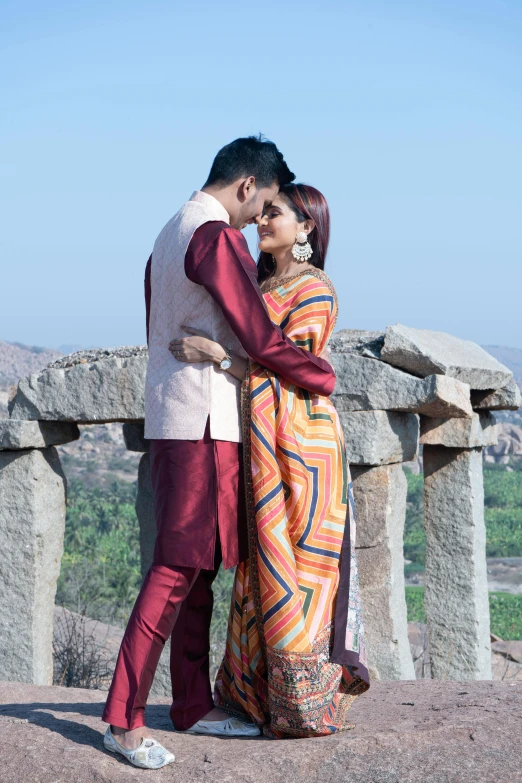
pixel 286 265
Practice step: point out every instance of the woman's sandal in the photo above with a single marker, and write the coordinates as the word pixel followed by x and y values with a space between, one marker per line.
pixel 148 755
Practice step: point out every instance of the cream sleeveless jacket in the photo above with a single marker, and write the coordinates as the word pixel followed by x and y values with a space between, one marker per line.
pixel 179 397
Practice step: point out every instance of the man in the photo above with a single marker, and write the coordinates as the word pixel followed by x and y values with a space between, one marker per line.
pixel 200 275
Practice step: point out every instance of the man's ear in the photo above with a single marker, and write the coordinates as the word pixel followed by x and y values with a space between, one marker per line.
pixel 246 189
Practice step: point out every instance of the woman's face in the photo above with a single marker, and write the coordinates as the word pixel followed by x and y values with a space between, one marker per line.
pixel 278 226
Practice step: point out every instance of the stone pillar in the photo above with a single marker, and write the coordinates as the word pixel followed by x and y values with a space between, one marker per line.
pixel 456 592
pixel 380 502
pixel 377 442
pixel 32 523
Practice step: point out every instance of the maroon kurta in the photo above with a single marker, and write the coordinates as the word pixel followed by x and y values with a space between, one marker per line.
pixel 198 489
pixel 198 485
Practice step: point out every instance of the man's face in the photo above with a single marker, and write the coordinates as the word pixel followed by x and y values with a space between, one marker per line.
pixel 255 202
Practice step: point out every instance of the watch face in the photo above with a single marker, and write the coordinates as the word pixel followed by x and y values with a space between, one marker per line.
pixel 226 364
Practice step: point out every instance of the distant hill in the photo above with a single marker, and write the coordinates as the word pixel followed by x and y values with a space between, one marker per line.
pixel 18 360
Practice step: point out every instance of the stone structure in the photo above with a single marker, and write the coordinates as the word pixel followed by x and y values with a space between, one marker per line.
pixel 392 388
pixel 443 379
pixel 380 502
pixel 32 524
pixel 423 353
pixel 456 593
pixel 92 387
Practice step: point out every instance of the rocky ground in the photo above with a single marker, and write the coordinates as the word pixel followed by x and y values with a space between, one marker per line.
pixel 406 732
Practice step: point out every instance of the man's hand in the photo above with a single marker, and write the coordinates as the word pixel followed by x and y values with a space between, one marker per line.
pixel 196 348
pixel 327 352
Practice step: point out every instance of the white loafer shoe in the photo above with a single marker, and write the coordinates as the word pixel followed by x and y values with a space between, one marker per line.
pixel 231 727
pixel 148 755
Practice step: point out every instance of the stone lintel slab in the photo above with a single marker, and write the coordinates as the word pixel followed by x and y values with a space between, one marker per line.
pixel 508 398
pixel 108 389
pixel 16 434
pixel 380 437
pixel 369 384
pixel 380 505
pixel 424 352
pixel 456 593
pixel 357 341
pixel 477 432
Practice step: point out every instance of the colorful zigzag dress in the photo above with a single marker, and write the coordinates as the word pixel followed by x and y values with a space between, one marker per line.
pixel 295 658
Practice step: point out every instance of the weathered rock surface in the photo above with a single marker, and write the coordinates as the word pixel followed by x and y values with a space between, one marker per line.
pixel 106 388
pixel 18 434
pixel 406 732
pixel 423 352
pixel 380 437
pixel 91 355
pixel 368 384
pixel 507 398
pixel 32 523
pixel 380 504
pixel 456 592
pixel 134 436
pixel 357 341
pixel 479 430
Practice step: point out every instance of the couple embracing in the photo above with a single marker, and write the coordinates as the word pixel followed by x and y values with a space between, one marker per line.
pixel 248 469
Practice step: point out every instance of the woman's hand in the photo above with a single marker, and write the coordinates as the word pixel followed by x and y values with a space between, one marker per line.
pixel 196 348
pixel 327 352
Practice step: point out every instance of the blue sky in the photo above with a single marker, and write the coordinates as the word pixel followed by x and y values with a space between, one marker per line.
pixel 407 115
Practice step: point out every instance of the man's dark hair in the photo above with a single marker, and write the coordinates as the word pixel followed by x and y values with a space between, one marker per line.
pixel 253 156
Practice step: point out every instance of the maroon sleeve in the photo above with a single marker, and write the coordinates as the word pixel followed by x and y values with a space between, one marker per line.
pixel 218 258
pixel 147 295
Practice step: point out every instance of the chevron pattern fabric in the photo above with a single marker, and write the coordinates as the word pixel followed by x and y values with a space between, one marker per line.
pixel 277 667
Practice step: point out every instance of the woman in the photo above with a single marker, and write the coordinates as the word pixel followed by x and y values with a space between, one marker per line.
pixel 295 658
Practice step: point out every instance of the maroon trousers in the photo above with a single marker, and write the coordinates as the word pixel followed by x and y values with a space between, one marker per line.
pixel 200 517
pixel 173 601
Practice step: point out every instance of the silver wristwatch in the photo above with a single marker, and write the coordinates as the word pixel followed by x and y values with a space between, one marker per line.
pixel 226 363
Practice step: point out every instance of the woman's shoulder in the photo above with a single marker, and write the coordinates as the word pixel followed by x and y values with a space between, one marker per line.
pixel 309 281
pixel 315 282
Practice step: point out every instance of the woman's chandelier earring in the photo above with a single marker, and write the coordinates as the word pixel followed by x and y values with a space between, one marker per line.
pixel 302 250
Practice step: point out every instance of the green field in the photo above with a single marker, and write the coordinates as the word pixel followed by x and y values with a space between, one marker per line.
pixel 505 612
pixel 503 515
pixel 100 575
